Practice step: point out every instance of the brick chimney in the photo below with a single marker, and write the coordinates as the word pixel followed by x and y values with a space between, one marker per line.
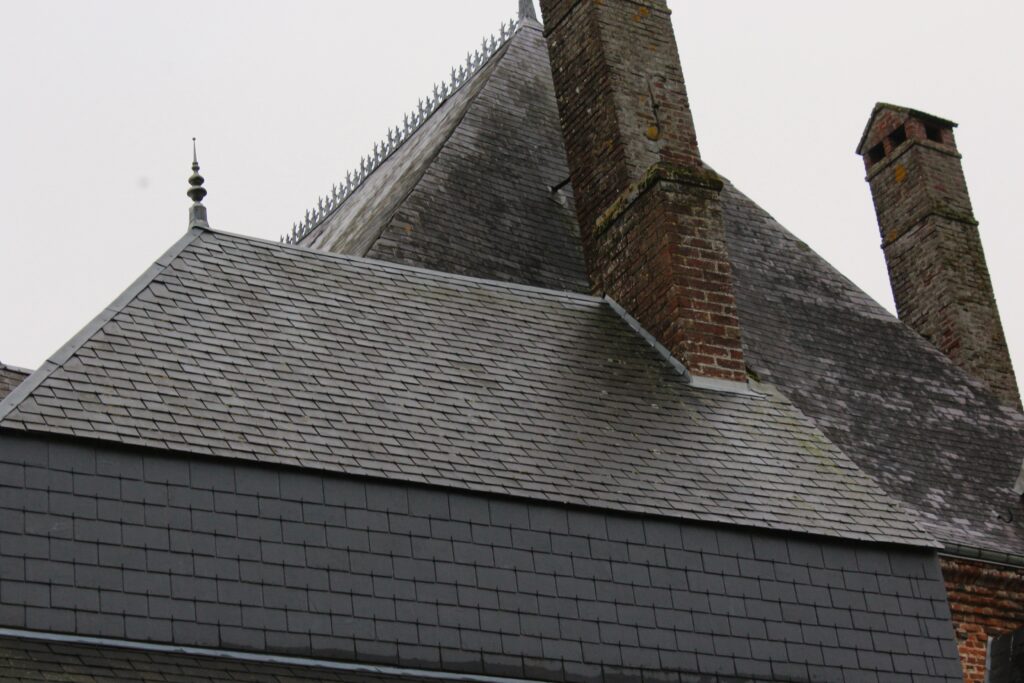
pixel 649 212
pixel 930 238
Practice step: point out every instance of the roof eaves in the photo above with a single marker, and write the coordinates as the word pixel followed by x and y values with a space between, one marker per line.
pixel 65 352
pixel 975 554
pixel 395 672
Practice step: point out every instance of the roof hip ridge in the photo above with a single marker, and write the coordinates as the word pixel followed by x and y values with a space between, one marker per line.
pixel 411 122
pixel 65 352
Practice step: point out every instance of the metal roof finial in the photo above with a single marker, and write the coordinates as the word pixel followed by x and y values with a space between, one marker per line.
pixel 526 10
pixel 196 192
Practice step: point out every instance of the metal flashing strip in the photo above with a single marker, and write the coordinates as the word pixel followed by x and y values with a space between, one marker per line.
pixel 956 551
pixel 707 383
pixel 649 338
pixel 258 658
pixel 725 385
pixel 64 353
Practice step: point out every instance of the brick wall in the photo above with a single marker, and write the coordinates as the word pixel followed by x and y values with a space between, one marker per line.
pixel 985 600
pixel 649 213
pixel 133 544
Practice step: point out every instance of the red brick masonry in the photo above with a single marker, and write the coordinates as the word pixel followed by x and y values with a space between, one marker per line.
pixel 986 600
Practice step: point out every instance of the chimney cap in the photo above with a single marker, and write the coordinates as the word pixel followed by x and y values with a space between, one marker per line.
pixel 907 111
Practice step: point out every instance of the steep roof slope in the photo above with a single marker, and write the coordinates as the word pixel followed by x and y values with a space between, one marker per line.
pixel 241 348
pixel 880 392
pixel 485 162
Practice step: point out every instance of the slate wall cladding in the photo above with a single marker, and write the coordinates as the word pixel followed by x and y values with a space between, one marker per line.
pixel 986 601
pixel 132 544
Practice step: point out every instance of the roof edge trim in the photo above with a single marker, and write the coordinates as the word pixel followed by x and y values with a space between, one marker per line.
pixel 958 551
pixel 259 658
pixel 65 352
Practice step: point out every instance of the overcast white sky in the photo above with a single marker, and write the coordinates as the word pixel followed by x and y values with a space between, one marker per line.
pixel 100 100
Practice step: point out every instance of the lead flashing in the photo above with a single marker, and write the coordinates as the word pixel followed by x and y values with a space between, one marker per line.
pixel 697 382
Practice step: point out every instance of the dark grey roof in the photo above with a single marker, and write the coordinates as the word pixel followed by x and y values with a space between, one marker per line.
pixel 881 393
pixel 87 660
pixel 242 348
pixel 486 162
pixel 10 378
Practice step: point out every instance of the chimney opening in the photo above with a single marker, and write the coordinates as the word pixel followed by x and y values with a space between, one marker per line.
pixel 876 153
pixel 933 132
pixel 898 137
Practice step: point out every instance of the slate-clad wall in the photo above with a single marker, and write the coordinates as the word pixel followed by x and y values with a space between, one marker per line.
pixel 130 544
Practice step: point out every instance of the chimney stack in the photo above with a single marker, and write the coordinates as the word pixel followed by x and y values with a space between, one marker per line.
pixel 649 212
pixel 937 267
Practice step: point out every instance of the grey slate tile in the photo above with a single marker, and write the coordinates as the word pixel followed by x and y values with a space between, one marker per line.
pixel 535 328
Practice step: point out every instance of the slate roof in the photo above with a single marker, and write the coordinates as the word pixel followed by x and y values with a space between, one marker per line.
pixel 237 347
pixel 29 659
pixel 10 378
pixel 899 408
pixel 883 394
pixel 495 127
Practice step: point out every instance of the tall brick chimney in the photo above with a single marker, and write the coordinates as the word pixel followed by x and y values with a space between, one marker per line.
pixel 649 212
pixel 930 238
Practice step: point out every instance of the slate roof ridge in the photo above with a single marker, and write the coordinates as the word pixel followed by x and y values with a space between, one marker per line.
pixel 324 223
pixel 65 352
pixel 383 150
pixel 392 266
